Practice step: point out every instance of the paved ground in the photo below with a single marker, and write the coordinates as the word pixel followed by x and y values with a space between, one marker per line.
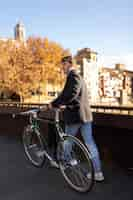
pixel 21 181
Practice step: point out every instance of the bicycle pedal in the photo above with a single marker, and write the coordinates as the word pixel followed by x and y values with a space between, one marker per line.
pixel 40 153
pixel 32 146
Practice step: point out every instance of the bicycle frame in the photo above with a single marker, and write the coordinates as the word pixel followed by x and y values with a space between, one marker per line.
pixel 34 123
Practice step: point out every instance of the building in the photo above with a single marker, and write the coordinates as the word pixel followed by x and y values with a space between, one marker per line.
pixel 87 53
pixel 116 85
pixel 19 34
pixel 86 59
pixel 106 85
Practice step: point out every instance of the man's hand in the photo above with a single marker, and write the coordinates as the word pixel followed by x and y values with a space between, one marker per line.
pixel 46 107
pixel 62 107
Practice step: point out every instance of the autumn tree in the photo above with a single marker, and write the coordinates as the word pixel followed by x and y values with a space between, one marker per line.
pixel 27 67
pixel 47 54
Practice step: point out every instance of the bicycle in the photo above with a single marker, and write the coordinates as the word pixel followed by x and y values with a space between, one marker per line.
pixel 73 157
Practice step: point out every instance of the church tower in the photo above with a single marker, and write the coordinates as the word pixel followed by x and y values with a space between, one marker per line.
pixel 19 32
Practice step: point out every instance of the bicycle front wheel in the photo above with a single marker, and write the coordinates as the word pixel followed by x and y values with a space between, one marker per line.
pixel 34 146
pixel 75 163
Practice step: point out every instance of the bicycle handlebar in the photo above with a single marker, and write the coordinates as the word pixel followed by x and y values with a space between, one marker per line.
pixel 26 113
pixel 33 112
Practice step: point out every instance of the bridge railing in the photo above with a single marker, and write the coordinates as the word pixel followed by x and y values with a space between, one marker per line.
pixel 122 110
pixel 11 107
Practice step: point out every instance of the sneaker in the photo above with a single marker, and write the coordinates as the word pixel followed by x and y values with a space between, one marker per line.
pixel 98 176
pixel 54 164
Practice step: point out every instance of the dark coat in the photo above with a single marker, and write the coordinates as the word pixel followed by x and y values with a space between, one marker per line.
pixel 75 97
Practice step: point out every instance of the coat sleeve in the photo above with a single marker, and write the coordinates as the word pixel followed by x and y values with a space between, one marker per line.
pixel 71 90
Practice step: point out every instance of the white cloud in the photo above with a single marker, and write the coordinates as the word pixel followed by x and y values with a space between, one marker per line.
pixel 110 61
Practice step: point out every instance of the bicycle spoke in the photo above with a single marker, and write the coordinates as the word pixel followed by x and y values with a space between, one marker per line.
pixel 82 177
pixel 34 147
pixel 75 164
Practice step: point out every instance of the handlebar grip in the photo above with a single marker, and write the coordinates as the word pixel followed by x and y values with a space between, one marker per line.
pixel 43 108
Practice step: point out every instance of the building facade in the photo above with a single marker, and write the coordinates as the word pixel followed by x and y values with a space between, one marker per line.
pixel 116 85
pixel 86 59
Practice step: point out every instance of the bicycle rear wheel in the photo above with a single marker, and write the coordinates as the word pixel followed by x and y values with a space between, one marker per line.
pixel 34 146
pixel 75 164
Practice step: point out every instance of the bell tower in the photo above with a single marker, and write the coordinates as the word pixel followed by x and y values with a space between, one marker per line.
pixel 19 32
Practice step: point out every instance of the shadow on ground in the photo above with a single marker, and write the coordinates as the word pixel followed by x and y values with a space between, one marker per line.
pixel 19 180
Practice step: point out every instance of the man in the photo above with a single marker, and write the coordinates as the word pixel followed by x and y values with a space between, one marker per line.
pixel 77 114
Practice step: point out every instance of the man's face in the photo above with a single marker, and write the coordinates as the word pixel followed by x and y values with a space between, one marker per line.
pixel 66 65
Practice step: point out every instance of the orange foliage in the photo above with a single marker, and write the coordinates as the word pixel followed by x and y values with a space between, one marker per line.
pixel 28 67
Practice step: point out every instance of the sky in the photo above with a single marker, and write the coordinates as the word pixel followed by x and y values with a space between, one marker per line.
pixel 104 26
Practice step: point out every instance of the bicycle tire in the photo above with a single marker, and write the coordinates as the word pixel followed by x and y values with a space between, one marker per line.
pixel 76 175
pixel 31 149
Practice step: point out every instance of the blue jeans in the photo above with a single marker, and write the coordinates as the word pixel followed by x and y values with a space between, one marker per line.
pixel 86 132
